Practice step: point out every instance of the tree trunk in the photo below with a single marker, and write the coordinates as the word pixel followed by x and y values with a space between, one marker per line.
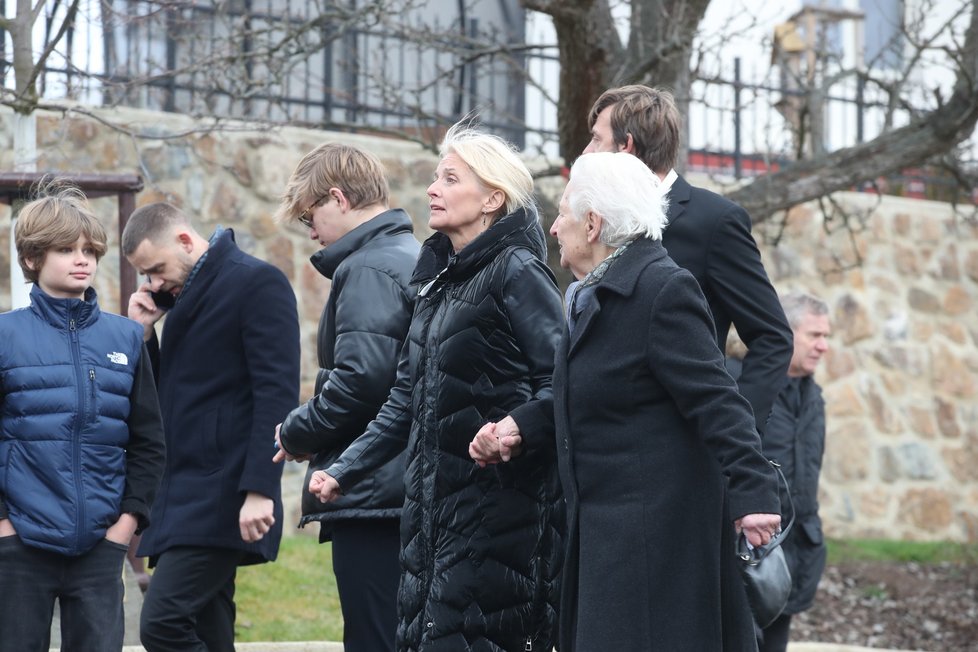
pixel 589 48
pixel 592 58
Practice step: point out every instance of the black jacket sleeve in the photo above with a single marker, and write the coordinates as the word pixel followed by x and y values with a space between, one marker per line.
pixel 146 450
pixel 736 272
pixel 373 313
pixel 153 349
pixel 682 353
pixel 270 344
pixel 533 305
pixel 385 437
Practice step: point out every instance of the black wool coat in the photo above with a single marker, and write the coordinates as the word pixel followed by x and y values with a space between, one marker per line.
pixel 795 439
pixel 653 444
pixel 228 374
pixel 480 546
pixel 710 236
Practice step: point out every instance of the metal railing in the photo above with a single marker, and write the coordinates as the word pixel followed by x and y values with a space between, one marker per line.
pixel 278 61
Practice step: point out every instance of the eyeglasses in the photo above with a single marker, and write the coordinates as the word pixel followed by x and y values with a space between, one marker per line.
pixel 305 217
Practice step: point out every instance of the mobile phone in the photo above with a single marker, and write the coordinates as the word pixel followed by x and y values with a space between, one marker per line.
pixel 163 300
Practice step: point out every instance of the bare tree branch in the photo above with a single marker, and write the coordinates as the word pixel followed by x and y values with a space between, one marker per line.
pixel 927 136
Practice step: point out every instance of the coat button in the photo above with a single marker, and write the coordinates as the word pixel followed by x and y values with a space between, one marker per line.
pixel 429 624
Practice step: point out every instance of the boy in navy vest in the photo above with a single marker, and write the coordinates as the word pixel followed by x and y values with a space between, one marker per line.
pixel 81 438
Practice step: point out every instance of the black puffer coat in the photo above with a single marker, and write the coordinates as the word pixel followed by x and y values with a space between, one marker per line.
pixel 361 331
pixel 480 548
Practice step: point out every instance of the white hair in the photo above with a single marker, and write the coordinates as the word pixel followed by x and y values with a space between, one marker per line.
pixel 797 304
pixel 623 191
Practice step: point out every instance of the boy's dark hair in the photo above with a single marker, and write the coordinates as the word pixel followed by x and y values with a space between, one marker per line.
pixel 57 217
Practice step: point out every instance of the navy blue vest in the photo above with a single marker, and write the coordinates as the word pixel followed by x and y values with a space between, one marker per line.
pixel 66 374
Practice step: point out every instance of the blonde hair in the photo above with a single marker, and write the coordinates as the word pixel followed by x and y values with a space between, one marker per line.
pixel 359 174
pixel 495 162
pixel 58 216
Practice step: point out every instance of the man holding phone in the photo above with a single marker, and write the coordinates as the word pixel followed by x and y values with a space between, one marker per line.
pixel 227 369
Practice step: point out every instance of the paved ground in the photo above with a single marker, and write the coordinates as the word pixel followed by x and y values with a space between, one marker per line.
pixel 324 646
pixel 134 601
pixel 338 647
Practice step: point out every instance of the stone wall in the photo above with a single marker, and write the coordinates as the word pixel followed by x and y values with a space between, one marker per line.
pixel 900 381
pixel 901 377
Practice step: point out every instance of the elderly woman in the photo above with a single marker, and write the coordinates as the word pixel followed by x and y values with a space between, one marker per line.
pixel 658 454
pixel 478 550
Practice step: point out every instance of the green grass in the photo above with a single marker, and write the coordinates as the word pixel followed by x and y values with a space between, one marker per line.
pixel 292 599
pixel 929 552
pixel 295 599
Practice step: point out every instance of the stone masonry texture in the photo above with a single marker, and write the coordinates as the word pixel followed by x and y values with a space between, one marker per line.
pixel 901 281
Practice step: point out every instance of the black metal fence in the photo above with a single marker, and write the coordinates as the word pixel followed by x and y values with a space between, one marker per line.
pixel 334 65
pixel 311 63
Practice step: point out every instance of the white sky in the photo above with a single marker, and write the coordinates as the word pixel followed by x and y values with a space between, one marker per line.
pixel 731 28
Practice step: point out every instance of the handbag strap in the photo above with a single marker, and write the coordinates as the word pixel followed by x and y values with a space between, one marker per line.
pixel 760 552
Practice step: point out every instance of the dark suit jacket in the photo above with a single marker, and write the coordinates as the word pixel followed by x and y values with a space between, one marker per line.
pixel 652 437
pixel 228 374
pixel 710 236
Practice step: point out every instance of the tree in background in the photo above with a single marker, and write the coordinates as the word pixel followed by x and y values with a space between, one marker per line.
pixel 403 67
pixel 661 50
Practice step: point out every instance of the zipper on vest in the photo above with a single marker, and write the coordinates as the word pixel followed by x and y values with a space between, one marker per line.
pixel 76 435
pixel 529 644
pixel 92 412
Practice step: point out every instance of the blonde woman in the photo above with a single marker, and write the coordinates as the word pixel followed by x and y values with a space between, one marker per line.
pixel 478 550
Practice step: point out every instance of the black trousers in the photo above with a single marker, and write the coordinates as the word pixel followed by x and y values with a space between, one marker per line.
pixel 367 570
pixel 775 635
pixel 88 588
pixel 189 606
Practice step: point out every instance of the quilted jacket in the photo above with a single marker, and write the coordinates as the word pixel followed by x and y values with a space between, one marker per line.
pixel 362 328
pixel 68 372
pixel 480 546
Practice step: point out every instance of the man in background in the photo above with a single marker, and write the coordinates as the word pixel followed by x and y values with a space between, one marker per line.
pixel 709 236
pixel 228 372
pixel 795 439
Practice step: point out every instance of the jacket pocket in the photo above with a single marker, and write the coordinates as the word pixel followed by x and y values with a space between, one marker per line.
pixel 813 530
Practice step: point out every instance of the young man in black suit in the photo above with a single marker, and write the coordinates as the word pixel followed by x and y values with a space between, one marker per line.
pixel 707 234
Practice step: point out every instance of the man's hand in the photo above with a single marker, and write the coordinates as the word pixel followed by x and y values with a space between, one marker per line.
pixel 257 517
pixel 7 528
pixel 324 486
pixel 121 531
pixel 143 310
pixel 759 528
pixel 496 442
pixel 280 452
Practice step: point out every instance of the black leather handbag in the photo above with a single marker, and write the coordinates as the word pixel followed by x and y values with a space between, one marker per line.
pixel 765 571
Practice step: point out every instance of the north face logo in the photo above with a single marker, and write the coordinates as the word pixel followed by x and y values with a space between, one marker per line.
pixel 118 358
